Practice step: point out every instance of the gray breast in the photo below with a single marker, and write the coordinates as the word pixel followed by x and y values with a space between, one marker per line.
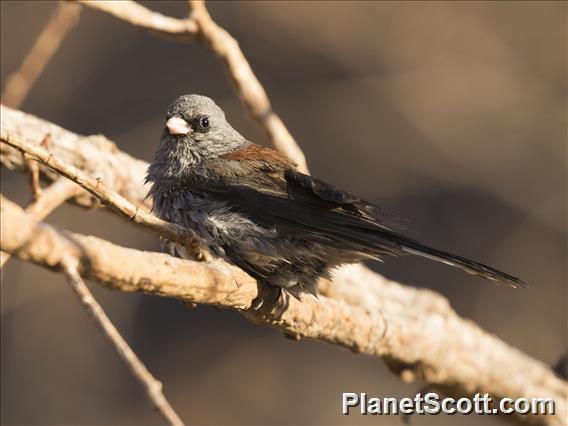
pixel 213 220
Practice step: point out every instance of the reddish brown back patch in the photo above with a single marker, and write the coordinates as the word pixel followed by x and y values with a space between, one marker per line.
pixel 253 152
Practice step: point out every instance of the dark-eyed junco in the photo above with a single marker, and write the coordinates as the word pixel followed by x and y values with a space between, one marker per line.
pixel 252 207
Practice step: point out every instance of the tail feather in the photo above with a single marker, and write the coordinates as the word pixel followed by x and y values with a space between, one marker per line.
pixel 469 266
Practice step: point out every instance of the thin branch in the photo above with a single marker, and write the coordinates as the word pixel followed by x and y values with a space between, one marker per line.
pixel 107 196
pixel 33 170
pixel 60 23
pixel 436 346
pixel 55 195
pixel 138 16
pixel 200 27
pixel 152 386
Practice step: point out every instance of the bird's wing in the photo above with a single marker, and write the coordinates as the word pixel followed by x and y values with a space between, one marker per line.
pixel 368 221
pixel 276 195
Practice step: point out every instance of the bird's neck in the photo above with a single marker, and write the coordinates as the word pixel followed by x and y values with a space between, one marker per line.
pixel 176 163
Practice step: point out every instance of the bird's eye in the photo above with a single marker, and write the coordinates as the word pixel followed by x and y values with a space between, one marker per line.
pixel 204 122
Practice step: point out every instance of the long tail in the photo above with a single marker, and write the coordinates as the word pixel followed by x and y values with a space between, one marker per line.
pixel 469 266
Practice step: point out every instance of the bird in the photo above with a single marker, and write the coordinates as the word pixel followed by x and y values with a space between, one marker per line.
pixel 252 207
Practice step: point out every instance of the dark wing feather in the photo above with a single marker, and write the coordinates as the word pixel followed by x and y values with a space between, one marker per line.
pixel 301 186
pixel 296 203
pixel 275 195
pixel 374 220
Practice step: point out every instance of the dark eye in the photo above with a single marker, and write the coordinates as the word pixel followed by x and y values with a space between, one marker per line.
pixel 204 122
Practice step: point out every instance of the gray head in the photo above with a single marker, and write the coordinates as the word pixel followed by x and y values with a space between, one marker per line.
pixel 195 130
pixel 197 119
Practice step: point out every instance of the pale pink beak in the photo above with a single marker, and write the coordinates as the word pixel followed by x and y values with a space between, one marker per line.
pixel 178 126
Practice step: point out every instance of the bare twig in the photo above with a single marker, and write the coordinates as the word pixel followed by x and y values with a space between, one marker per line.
pixel 200 27
pixel 435 346
pixel 152 386
pixel 60 23
pixel 118 203
pixel 33 170
pixel 138 16
pixel 55 195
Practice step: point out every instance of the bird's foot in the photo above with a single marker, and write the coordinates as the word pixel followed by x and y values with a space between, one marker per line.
pixel 198 250
pixel 268 298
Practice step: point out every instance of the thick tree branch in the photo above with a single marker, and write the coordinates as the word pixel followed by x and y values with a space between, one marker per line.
pixel 152 386
pixel 201 28
pixel 441 349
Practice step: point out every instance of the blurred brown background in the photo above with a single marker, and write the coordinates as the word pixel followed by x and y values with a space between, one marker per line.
pixel 452 115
